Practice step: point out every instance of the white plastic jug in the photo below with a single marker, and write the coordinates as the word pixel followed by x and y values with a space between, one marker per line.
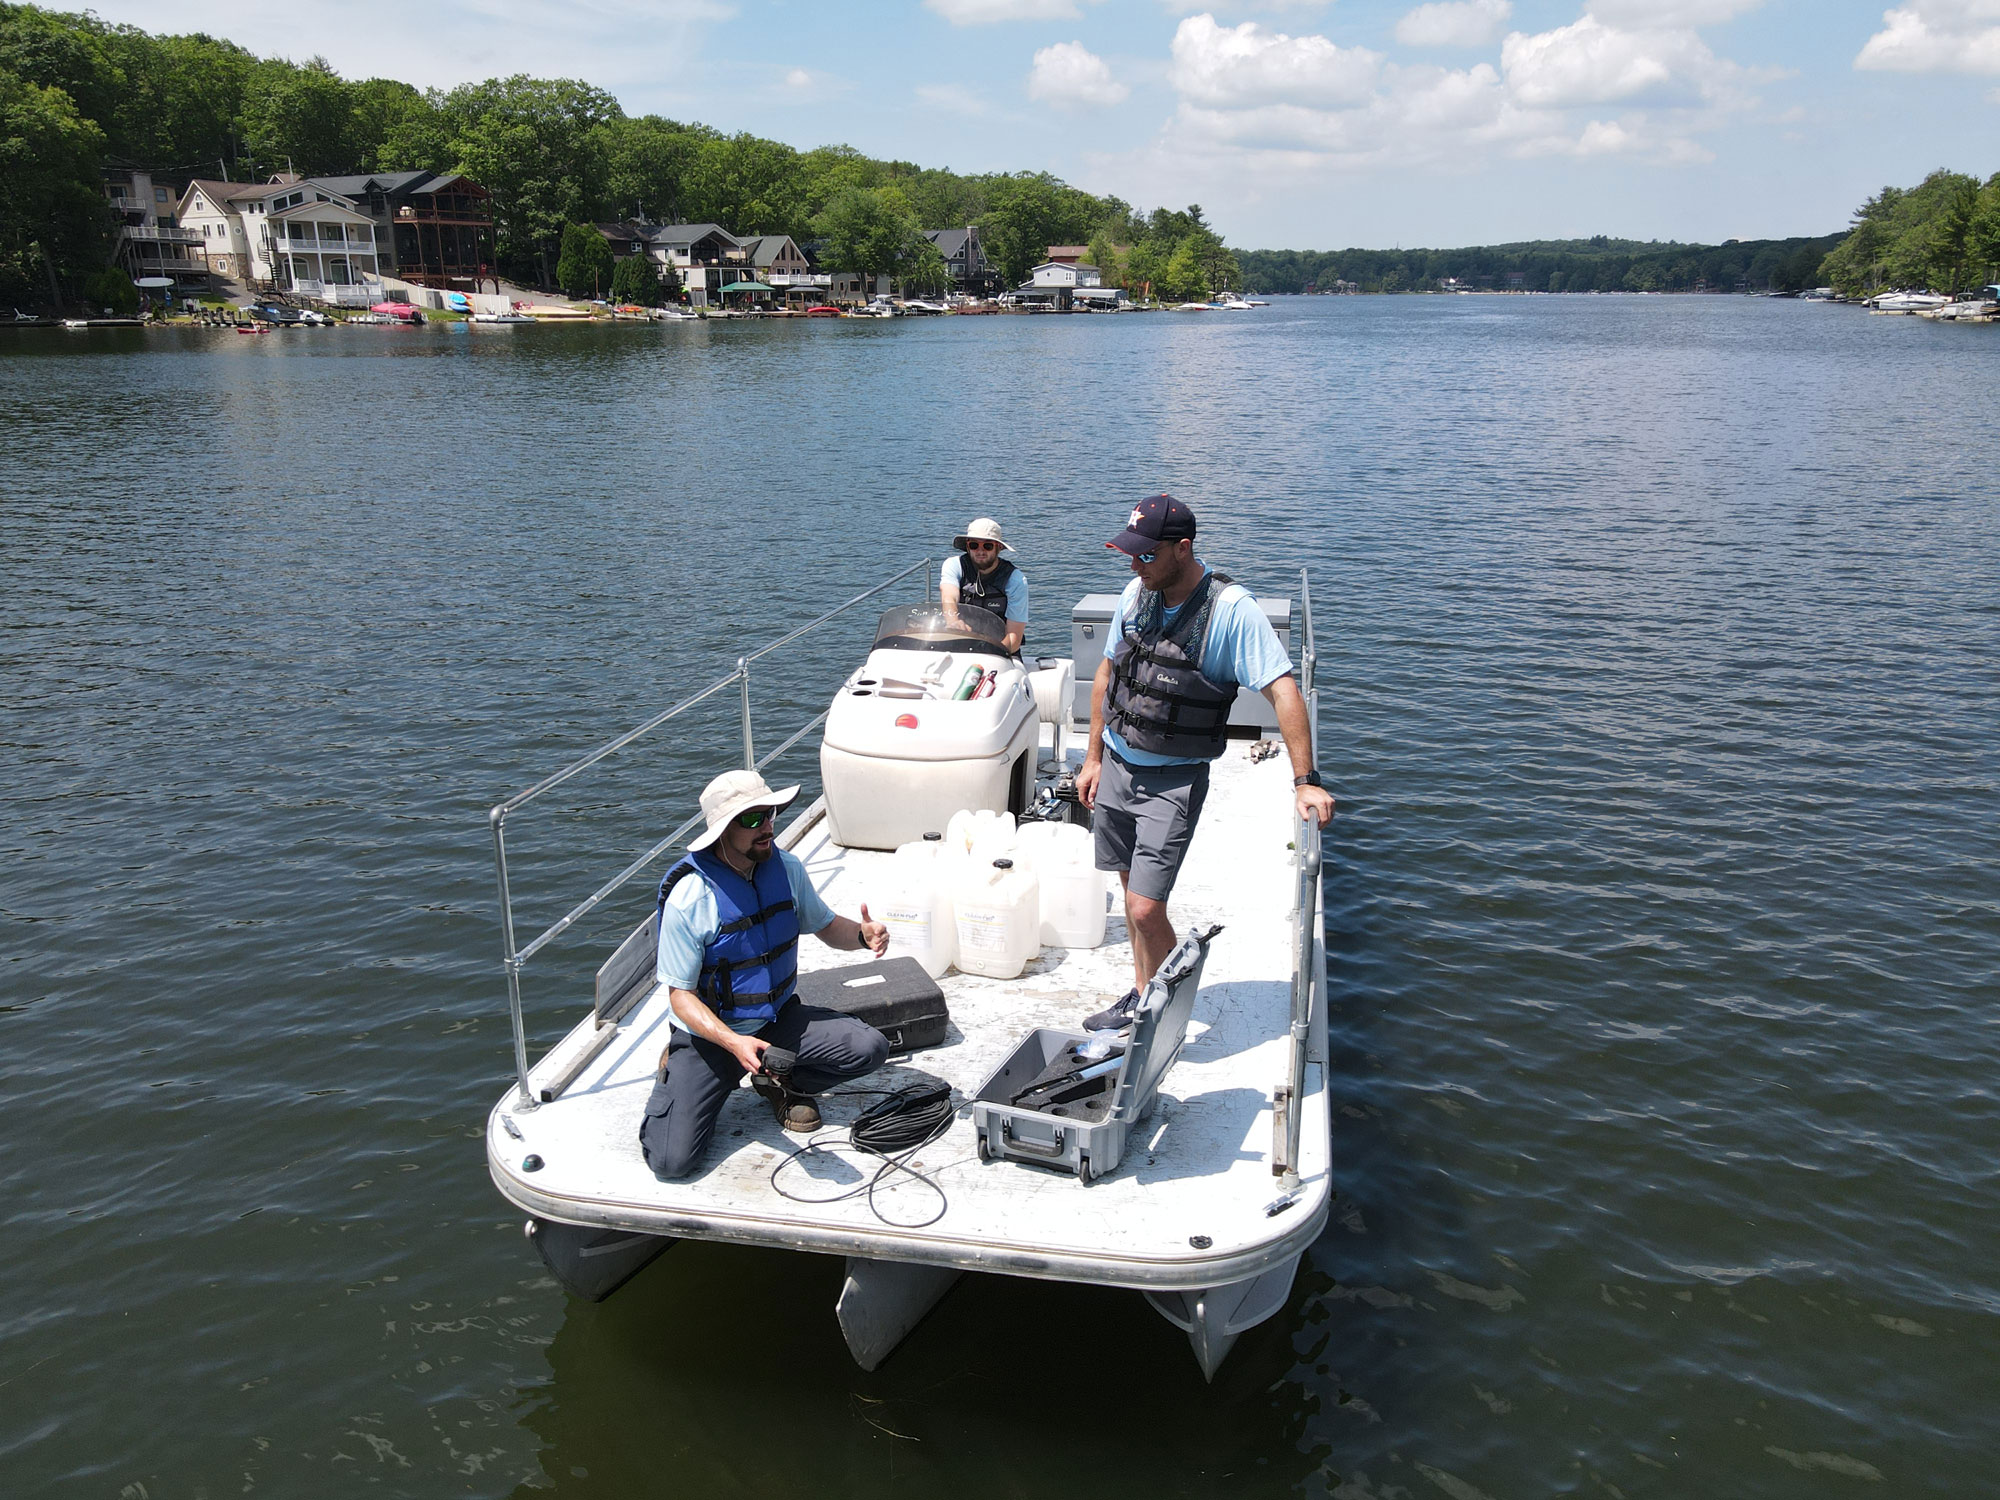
pixel 1032 842
pixel 911 895
pixel 1065 859
pixel 1072 906
pixel 980 831
pixel 998 907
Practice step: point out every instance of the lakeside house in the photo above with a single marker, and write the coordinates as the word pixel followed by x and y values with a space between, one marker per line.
pixel 965 259
pixel 285 235
pixel 151 240
pixel 433 229
pixel 1066 286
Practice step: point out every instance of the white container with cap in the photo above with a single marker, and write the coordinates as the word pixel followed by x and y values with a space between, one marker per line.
pixel 911 895
pixel 998 907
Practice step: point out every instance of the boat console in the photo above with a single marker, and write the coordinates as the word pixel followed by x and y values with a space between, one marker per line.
pixel 939 718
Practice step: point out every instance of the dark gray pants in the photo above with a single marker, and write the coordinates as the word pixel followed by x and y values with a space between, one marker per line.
pixel 685 1103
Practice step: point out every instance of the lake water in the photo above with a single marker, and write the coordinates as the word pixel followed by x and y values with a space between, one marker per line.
pixel 1659 654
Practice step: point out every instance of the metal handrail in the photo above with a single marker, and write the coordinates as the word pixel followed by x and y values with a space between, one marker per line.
pixel 1309 656
pixel 514 958
pixel 1285 1162
pixel 1309 971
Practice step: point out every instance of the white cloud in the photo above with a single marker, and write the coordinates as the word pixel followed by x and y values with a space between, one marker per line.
pixel 1237 66
pixel 1936 36
pixel 798 78
pixel 1654 14
pixel 1588 63
pixel 988 12
pixel 1277 104
pixel 1454 23
pixel 1073 77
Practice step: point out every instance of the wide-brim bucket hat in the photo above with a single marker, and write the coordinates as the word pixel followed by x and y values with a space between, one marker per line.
pixel 732 794
pixel 985 529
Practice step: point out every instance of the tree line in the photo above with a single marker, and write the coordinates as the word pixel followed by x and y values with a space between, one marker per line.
pixel 1598 264
pixel 1943 234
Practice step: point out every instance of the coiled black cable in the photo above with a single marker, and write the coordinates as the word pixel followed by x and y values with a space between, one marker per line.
pixel 894 1129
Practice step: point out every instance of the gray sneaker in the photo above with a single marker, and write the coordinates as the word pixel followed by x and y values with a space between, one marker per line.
pixel 1115 1017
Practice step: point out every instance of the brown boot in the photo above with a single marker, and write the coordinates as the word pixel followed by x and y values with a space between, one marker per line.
pixel 795 1112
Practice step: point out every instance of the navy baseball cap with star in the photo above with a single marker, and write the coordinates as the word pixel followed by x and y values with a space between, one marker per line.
pixel 1155 522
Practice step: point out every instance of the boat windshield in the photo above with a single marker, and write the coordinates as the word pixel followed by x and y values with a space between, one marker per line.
pixel 926 627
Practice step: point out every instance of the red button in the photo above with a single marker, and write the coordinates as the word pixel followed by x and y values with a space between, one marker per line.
pixel 906 721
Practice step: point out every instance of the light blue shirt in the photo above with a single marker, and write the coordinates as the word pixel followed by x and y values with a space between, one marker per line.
pixel 689 923
pixel 1241 648
pixel 952 575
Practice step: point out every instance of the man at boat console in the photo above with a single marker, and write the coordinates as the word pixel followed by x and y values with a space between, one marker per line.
pixel 730 917
pixel 1184 638
pixel 980 578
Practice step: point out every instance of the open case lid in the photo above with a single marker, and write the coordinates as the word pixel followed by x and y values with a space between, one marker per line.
pixel 1161 1025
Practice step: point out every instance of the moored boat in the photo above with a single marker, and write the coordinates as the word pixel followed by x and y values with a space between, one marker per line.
pixel 1905 302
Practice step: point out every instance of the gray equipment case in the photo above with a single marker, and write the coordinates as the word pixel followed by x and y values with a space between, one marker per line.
pixel 1082 1126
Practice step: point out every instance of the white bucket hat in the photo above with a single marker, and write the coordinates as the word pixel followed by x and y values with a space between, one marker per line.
pixel 732 793
pixel 985 529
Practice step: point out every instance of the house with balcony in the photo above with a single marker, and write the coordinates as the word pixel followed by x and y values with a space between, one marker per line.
pixel 1066 286
pixel 432 228
pixel 286 235
pixel 971 272
pixel 706 257
pixel 151 241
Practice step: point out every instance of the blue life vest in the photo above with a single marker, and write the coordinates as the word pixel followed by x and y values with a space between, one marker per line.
pixel 749 966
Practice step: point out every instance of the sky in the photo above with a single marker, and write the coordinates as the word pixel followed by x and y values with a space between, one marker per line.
pixel 1298 124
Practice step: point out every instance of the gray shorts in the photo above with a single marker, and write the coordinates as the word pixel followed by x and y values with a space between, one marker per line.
pixel 1143 820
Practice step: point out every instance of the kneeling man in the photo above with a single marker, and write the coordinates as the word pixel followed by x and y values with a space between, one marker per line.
pixel 730 918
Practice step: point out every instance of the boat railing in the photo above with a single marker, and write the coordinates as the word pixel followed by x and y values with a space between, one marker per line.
pixel 515 956
pixel 1309 958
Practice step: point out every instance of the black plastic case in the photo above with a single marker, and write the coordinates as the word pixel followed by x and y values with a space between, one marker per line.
pixel 894 995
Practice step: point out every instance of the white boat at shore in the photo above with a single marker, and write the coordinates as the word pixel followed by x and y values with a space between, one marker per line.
pixel 508 319
pixel 1906 302
pixel 1220 1191
pixel 1967 309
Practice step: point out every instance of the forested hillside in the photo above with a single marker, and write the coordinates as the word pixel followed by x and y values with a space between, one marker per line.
pixel 1595 265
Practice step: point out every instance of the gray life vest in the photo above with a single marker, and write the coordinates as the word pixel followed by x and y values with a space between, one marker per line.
pixel 985 591
pixel 1160 700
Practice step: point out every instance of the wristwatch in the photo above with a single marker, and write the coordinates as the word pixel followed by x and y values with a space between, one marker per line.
pixel 1311 778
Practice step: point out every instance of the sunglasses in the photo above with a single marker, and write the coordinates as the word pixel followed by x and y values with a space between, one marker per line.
pixel 757 817
pixel 1145 558
pixel 982 546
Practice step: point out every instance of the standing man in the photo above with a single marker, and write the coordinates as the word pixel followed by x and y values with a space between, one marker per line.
pixel 1185 638
pixel 980 578
pixel 730 918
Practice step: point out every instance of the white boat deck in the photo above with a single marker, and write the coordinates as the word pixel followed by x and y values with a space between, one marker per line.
pixel 1187 1208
